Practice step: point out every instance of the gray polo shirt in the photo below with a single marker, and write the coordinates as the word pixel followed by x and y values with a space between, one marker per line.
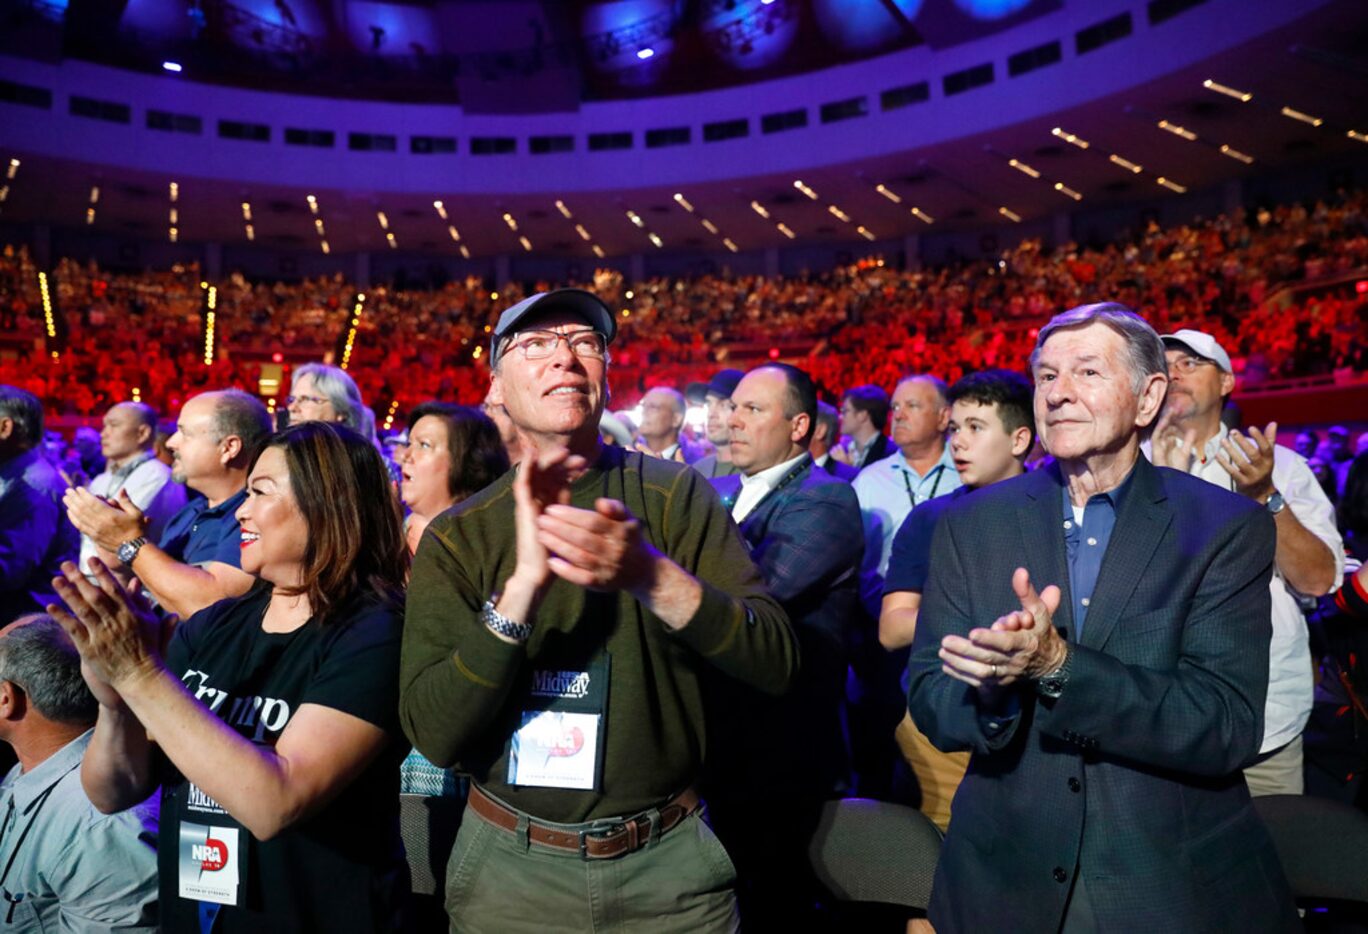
pixel 64 866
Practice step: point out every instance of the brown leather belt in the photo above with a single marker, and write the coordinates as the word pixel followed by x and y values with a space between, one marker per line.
pixel 598 841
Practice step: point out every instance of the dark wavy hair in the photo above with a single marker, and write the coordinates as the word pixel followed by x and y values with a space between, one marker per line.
pixel 356 538
pixel 478 457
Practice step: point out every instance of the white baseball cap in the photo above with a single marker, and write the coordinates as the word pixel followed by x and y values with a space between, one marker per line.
pixel 1201 344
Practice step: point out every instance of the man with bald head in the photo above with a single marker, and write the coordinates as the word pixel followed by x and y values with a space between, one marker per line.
pixel 132 471
pixel 196 561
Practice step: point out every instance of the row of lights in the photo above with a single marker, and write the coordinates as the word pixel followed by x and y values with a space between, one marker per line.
pixel 319 227
pixel 708 225
pixel 1290 113
pixel 355 323
pixel 247 226
pixel 11 171
pixel 1119 161
pixel 48 320
pixel 385 226
pixel 211 303
pixel 173 230
pixel 580 229
pixel 896 198
pixel 512 223
pixel 640 224
pixel 455 234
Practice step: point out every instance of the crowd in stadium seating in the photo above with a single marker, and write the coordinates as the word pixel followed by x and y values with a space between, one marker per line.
pixel 227 556
pixel 865 323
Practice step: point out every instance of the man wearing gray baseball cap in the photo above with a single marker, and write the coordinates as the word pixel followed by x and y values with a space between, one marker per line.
pixel 563 627
pixel 1190 437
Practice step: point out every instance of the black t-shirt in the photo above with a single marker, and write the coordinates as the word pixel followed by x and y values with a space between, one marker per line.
pixel 910 560
pixel 342 869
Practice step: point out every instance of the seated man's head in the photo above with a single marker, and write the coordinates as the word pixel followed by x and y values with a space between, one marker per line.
pixel 662 416
pixel 550 366
pixel 21 421
pixel 774 412
pixel 44 701
pixel 716 396
pixel 129 429
pixel 920 413
pixel 216 435
pixel 1100 377
pixel 864 412
pixel 991 426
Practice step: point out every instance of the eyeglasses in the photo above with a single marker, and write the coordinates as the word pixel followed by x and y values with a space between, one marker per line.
pixel 310 400
pixel 538 345
pixel 1189 365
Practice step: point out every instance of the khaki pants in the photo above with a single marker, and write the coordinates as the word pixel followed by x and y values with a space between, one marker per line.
pixel 938 773
pixel 500 883
pixel 1278 772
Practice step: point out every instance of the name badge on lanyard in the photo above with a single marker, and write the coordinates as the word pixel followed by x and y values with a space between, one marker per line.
pixel 210 857
pixel 559 743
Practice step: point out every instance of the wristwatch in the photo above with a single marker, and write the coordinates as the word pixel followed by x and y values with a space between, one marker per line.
pixel 1051 684
pixel 501 625
pixel 128 551
pixel 1276 503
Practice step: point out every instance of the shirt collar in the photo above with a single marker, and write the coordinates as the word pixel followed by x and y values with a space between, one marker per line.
pixel 771 476
pixel 27 787
pixel 1116 496
pixel 946 462
pixel 229 505
pixel 124 472
pixel 1214 445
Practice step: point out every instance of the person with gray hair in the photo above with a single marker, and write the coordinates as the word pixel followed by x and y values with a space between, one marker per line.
pixel 132 471
pixel 64 866
pixel 662 421
pixel 323 393
pixel 1095 634
pixel 197 559
pixel 35 536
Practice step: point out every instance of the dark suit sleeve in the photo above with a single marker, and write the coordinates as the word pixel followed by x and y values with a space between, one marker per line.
pixel 815 540
pixel 1206 715
pixel 947 711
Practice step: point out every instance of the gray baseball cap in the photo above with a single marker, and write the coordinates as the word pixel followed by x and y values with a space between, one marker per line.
pixel 586 305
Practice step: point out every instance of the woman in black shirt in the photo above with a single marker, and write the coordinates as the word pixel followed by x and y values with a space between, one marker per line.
pixel 270 719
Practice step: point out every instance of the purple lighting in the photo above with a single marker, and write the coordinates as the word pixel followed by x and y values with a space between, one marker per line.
pixel 172 66
pixel 644 54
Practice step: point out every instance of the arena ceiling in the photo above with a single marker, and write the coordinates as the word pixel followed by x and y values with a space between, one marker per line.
pixel 1307 106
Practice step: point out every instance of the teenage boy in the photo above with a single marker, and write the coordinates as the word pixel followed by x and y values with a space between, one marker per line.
pixel 990 433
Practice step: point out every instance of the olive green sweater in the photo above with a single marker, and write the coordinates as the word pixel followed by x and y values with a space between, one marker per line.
pixel 463 690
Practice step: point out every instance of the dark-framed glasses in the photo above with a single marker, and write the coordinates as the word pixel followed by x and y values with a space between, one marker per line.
pixel 538 345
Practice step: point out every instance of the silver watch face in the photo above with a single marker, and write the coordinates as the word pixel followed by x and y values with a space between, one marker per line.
pixel 129 550
pixel 1276 503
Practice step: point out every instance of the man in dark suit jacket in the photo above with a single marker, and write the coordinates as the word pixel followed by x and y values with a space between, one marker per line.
pixel 824 438
pixel 1108 715
pixel 786 756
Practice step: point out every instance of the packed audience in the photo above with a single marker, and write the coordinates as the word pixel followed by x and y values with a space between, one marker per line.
pixel 228 666
pixel 865 323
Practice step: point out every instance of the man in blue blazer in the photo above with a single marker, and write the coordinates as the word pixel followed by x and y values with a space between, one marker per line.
pixel 786 756
pixel 1096 633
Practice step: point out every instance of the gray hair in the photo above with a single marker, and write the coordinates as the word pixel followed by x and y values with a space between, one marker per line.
pixel 27 412
pixel 935 382
pixel 674 395
pixel 144 413
pixel 828 416
pixel 241 414
pixel 1144 349
pixel 340 389
pixel 39 657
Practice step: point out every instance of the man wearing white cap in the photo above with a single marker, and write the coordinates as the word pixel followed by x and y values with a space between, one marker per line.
pixel 1310 555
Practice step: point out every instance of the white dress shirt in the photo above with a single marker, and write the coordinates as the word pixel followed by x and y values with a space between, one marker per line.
pixel 151 489
pixel 754 488
pixel 1290 671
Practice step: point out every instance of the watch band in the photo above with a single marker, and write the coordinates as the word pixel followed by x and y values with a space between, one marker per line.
pixel 128 551
pixel 501 625
pixel 1052 684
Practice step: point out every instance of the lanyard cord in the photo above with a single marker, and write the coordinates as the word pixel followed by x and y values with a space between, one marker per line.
pixel 912 497
pixel 33 818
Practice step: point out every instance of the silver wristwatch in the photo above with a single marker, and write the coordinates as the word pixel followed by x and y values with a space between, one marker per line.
pixel 503 626
pixel 1052 683
pixel 1276 503
pixel 128 551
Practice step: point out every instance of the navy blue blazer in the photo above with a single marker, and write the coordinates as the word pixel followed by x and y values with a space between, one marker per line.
pixel 1133 775
pixel 807 539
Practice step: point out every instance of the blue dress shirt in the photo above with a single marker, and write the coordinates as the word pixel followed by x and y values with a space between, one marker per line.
pixel 1086 544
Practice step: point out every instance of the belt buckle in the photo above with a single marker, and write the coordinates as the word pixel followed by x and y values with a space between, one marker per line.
pixel 607 833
